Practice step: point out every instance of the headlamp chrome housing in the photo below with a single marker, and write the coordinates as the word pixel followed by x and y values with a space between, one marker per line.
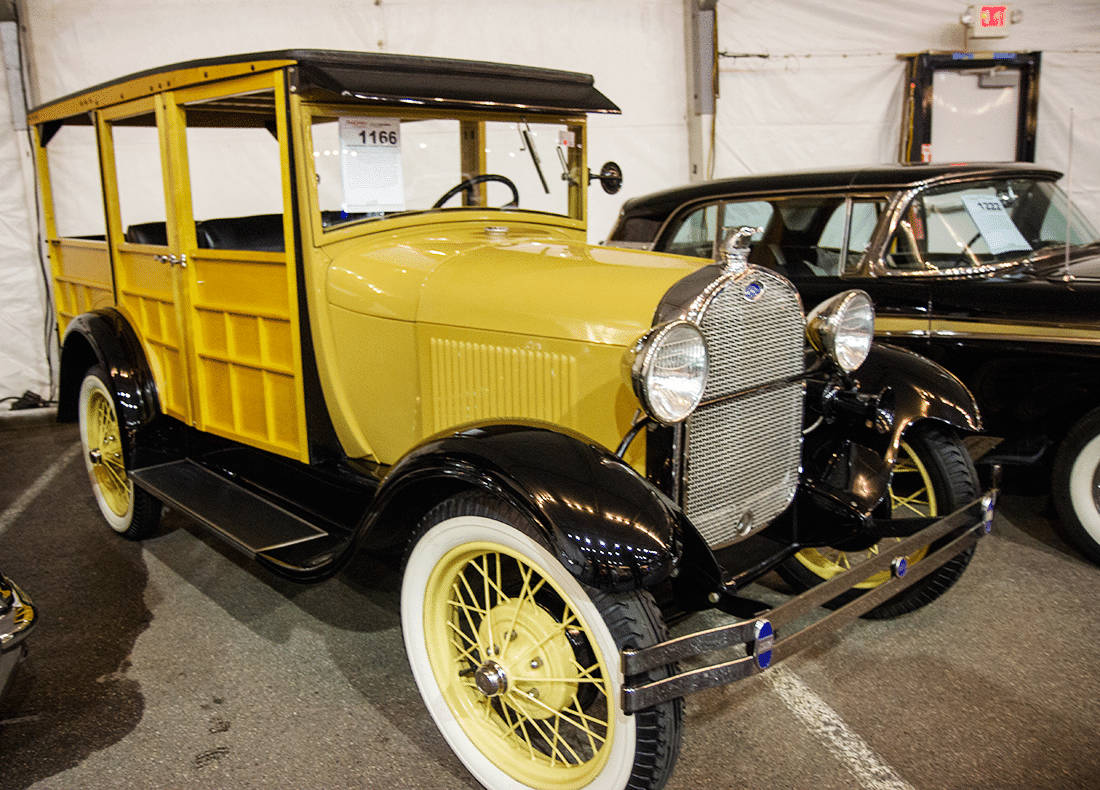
pixel 668 371
pixel 843 327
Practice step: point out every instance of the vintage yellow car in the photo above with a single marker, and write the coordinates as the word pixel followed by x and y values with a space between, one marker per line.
pixel 326 302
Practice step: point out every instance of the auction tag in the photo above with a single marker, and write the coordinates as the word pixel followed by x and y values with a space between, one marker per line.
pixel 997 228
pixel 370 164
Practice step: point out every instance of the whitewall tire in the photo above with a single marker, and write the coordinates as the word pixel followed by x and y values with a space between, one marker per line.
pixel 518 662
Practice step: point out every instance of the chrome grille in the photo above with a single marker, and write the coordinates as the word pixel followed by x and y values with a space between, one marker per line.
pixel 743 453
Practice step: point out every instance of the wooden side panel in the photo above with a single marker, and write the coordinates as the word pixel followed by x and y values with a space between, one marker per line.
pixel 147 296
pixel 243 334
pixel 82 278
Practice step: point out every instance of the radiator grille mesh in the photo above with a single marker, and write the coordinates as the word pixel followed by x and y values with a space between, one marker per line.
pixel 742 455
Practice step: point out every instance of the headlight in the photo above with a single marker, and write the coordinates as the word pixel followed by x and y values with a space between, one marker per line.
pixel 668 370
pixel 843 327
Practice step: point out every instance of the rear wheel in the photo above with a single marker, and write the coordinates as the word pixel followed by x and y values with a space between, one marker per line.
pixel 518 662
pixel 933 476
pixel 131 512
pixel 1075 484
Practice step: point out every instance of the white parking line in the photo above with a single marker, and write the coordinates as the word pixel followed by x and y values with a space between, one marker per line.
pixel 827 726
pixel 28 496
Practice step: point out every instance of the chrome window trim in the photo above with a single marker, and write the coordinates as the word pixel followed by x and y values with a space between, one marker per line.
pixel 876 266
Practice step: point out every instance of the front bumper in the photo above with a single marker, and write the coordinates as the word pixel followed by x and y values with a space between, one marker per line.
pixel 763 637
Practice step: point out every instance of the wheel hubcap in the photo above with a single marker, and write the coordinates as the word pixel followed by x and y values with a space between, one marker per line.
pixel 532 649
pixel 491 679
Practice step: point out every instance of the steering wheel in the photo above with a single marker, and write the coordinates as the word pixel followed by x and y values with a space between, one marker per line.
pixel 469 184
pixel 958 262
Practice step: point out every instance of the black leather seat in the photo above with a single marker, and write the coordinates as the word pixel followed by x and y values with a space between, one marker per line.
pixel 260 232
pixel 155 233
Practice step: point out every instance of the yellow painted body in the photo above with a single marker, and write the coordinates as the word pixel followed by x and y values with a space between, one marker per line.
pixel 420 322
pixel 220 333
pixel 430 328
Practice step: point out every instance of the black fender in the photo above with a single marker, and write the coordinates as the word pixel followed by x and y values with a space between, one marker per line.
pixel 921 390
pixel 848 463
pixel 104 337
pixel 609 526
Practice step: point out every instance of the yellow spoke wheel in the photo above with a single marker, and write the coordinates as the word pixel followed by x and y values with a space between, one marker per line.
pixel 518 662
pixel 130 512
pixel 104 452
pixel 507 664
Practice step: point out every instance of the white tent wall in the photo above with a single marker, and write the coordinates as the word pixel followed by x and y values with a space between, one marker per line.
pixel 807 83
pixel 635 49
pixel 23 331
pixel 1069 93
pixel 830 91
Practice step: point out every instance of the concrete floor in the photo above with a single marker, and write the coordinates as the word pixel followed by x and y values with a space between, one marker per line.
pixel 175 663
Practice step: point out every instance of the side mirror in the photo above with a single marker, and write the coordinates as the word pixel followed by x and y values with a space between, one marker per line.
pixel 610 178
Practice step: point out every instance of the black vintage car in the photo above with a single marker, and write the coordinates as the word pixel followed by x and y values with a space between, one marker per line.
pixel 967 264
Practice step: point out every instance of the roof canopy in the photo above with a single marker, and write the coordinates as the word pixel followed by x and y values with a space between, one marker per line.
pixel 374 77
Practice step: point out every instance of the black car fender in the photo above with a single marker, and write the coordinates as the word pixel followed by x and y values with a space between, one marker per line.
pixel 920 390
pixel 848 461
pixel 104 337
pixel 609 526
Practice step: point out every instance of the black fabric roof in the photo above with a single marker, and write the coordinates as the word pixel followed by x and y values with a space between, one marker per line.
pixel 409 80
pixel 895 176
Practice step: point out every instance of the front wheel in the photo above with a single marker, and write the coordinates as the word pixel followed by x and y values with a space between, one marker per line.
pixel 518 662
pixel 131 512
pixel 1075 484
pixel 933 476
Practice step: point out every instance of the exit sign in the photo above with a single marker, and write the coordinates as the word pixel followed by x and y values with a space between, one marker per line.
pixel 989 21
pixel 993 16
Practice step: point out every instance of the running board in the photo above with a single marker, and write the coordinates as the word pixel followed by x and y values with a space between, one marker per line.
pixel 246 519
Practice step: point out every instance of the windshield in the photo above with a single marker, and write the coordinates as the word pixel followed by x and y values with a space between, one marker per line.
pixel 374 166
pixel 963 226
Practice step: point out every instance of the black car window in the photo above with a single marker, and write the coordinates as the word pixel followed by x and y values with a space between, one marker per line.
pixel 864 218
pixel 791 241
pixel 751 213
pixel 962 226
pixel 637 230
pixel 696 233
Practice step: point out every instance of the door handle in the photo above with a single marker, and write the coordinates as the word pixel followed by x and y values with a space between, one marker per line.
pixel 171 260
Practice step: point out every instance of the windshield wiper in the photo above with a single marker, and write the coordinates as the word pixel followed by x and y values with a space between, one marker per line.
pixel 525 134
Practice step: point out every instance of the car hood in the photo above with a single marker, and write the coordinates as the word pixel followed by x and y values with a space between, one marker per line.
pixel 520 279
pixel 1084 263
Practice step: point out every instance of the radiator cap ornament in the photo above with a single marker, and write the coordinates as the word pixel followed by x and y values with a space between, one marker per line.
pixel 734 251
